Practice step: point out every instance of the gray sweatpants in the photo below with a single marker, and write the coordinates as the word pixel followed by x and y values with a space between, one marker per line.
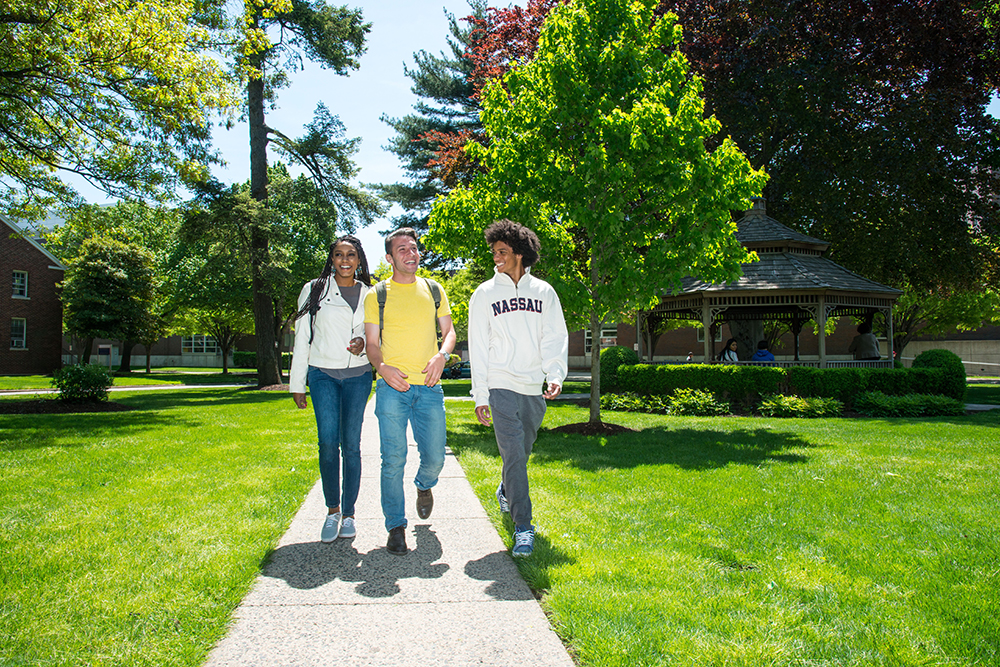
pixel 516 419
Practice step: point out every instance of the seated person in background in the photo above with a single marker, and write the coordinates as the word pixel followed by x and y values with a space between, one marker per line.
pixel 762 353
pixel 728 354
pixel 865 346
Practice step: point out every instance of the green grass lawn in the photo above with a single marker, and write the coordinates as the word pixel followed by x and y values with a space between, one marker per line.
pixel 983 393
pixel 748 541
pixel 135 379
pixel 129 538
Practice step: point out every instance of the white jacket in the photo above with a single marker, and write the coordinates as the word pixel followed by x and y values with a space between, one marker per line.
pixel 517 337
pixel 336 325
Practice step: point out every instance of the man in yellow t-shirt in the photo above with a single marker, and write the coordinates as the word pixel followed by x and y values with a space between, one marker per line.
pixel 409 363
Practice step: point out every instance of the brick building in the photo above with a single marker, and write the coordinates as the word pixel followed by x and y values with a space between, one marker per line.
pixel 30 310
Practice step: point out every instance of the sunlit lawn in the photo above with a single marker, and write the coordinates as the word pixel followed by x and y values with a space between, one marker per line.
pixel 748 541
pixel 129 538
pixel 983 393
pixel 137 379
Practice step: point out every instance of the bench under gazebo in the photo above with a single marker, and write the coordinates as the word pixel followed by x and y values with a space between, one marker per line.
pixel 792 282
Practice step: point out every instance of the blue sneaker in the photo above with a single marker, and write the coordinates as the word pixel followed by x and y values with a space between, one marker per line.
pixel 524 541
pixel 331 527
pixel 502 500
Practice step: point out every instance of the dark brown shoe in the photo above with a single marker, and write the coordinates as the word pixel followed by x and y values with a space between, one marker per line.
pixel 425 503
pixel 397 541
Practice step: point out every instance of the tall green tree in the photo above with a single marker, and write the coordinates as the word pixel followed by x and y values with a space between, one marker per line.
pixel 935 313
pixel 598 143
pixel 278 35
pixel 218 251
pixel 107 293
pixel 446 115
pixel 118 93
pixel 134 224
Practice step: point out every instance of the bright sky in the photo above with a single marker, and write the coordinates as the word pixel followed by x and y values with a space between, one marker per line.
pixel 399 28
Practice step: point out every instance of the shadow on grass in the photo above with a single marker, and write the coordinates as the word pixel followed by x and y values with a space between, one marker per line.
pixel 691 449
pixel 152 410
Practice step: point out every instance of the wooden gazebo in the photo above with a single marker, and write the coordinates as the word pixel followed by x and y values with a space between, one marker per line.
pixel 792 282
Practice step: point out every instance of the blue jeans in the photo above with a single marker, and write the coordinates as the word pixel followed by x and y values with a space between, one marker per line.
pixel 423 408
pixel 340 408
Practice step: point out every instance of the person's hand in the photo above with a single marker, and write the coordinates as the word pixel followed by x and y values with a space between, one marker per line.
pixel 394 377
pixel 433 369
pixel 483 415
pixel 552 390
pixel 356 346
pixel 300 400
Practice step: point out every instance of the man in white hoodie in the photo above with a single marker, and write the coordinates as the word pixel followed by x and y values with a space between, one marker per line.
pixel 517 341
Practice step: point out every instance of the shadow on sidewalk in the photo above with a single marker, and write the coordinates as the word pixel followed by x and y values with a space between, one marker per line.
pixel 309 565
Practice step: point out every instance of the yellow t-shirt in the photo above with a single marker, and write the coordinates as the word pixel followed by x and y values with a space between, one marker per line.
pixel 409 327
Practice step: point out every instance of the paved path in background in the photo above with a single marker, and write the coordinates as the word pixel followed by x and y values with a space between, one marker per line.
pixel 455 599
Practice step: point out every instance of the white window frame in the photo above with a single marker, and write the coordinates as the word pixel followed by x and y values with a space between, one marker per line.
pixel 701 334
pixel 23 338
pixel 199 344
pixel 607 331
pixel 20 291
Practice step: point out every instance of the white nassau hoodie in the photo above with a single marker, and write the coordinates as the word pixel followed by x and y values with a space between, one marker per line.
pixel 336 325
pixel 517 337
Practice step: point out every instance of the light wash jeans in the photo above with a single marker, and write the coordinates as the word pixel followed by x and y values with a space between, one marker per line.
pixel 340 408
pixel 423 408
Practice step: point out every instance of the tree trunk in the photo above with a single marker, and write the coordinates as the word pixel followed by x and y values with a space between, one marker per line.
pixel 268 367
pixel 595 369
pixel 126 365
pixel 88 345
pixel 149 357
pixel 225 357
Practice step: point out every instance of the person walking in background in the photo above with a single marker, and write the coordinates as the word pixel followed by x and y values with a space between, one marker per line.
pixel 517 340
pixel 401 319
pixel 762 353
pixel 728 355
pixel 865 345
pixel 328 355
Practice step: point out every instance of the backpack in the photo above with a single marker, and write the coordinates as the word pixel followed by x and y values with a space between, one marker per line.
pixel 381 294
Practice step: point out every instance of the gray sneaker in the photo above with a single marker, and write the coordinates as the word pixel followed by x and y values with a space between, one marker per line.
pixel 502 500
pixel 524 541
pixel 331 527
pixel 347 528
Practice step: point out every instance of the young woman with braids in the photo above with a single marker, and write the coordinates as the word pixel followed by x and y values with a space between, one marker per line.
pixel 329 356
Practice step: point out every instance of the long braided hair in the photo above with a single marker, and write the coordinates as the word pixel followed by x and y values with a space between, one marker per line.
pixel 321 284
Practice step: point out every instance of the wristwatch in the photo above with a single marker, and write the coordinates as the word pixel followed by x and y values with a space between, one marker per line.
pixel 446 355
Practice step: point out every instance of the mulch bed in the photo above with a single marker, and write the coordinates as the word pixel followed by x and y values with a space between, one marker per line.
pixel 53 406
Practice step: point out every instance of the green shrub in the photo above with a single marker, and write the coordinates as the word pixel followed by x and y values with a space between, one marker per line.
pixel 740 384
pixel 951 363
pixel 695 402
pixel 611 359
pixel 83 382
pixel 877 404
pixel 846 384
pixel 631 402
pixel 245 359
pixel 794 406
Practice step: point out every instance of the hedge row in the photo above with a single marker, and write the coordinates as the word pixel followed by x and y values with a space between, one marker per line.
pixel 938 375
pixel 249 360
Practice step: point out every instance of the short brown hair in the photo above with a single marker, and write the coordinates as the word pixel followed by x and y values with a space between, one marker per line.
pixel 402 231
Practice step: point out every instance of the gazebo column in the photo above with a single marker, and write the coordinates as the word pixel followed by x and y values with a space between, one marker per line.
pixel 640 332
pixel 796 330
pixel 821 323
pixel 706 323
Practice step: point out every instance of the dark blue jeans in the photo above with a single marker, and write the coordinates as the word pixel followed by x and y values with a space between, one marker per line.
pixel 340 409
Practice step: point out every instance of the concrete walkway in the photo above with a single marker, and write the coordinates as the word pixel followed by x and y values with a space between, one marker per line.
pixel 455 599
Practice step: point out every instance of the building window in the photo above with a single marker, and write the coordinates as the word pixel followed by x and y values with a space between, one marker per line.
pixel 21 284
pixel 199 344
pixel 718 334
pixel 18 329
pixel 609 337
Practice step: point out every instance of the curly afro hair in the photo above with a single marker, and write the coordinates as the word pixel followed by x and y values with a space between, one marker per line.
pixel 521 240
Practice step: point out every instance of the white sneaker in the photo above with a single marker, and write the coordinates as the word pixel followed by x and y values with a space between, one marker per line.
pixel 331 527
pixel 347 528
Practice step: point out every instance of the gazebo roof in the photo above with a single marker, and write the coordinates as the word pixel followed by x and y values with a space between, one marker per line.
pixel 791 271
pixel 788 260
